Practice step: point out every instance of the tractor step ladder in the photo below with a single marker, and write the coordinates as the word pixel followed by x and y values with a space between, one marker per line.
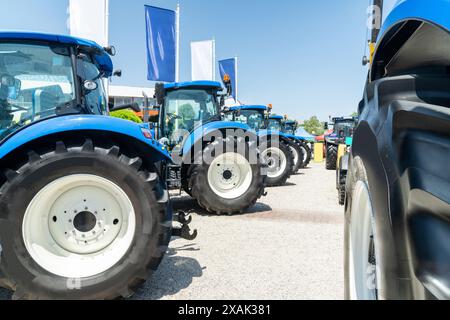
pixel 173 177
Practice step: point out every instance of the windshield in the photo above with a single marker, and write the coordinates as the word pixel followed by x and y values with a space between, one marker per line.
pixel 253 118
pixel 344 129
pixel 186 109
pixel 34 80
pixel 274 125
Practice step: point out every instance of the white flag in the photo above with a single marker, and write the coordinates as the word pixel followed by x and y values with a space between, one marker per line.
pixel 202 60
pixel 89 20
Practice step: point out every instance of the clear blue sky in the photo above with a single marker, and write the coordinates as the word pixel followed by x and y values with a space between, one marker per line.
pixel 302 56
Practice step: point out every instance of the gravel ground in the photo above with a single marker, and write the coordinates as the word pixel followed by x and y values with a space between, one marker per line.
pixel 289 246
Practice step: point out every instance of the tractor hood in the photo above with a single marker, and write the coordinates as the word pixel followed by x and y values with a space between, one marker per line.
pixel 414 36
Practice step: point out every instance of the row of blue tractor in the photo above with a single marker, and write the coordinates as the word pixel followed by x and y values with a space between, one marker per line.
pixel 84 204
pixel 281 149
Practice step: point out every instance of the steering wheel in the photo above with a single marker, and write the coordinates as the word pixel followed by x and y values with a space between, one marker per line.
pixel 173 116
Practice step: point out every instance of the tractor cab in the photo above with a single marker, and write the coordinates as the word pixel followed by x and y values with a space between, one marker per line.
pixel 290 126
pixel 185 107
pixel 342 134
pixel 41 80
pixel 253 116
pixel 275 123
pixel 343 129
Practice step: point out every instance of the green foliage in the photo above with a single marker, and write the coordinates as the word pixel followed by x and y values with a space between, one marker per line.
pixel 126 115
pixel 354 114
pixel 314 126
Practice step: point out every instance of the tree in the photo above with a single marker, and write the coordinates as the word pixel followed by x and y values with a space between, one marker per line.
pixel 127 115
pixel 354 114
pixel 314 126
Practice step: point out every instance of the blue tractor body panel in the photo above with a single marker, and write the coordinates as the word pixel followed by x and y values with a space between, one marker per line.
pixel 434 11
pixel 100 55
pixel 208 128
pixel 63 124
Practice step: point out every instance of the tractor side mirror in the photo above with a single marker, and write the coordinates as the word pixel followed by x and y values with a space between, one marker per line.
pixel 111 50
pixel 160 93
pixel 133 106
pixel 117 73
pixel 325 126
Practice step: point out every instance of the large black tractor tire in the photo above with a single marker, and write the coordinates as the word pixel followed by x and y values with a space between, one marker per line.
pixel 297 157
pixel 186 180
pixel 202 190
pixel 47 164
pixel 341 176
pixel 307 154
pixel 331 157
pixel 281 178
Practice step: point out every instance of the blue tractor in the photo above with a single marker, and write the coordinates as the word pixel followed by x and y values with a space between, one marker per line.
pixel 84 210
pixel 274 146
pixel 397 201
pixel 215 161
pixel 305 141
pixel 343 128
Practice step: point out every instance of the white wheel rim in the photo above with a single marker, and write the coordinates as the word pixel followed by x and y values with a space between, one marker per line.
pixel 79 226
pixel 363 274
pixel 295 154
pixel 230 175
pixel 276 160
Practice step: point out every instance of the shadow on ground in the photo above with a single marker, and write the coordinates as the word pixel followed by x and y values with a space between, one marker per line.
pixel 287 184
pixel 173 275
pixel 186 203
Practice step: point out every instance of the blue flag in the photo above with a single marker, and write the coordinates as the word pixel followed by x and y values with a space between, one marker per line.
pixel 229 67
pixel 161 44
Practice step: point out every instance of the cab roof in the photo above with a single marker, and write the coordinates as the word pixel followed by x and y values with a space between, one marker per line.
pixel 193 85
pixel 249 107
pixel 100 55
pixel 276 117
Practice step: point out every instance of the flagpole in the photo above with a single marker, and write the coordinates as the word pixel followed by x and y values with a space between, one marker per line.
pixel 106 23
pixel 177 60
pixel 214 60
pixel 106 38
pixel 236 75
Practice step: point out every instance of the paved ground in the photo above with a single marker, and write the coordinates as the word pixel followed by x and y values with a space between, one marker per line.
pixel 288 247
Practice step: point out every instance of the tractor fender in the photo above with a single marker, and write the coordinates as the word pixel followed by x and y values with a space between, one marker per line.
pixel 198 134
pixel 92 123
pixel 392 40
pixel 417 10
pixel 273 135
